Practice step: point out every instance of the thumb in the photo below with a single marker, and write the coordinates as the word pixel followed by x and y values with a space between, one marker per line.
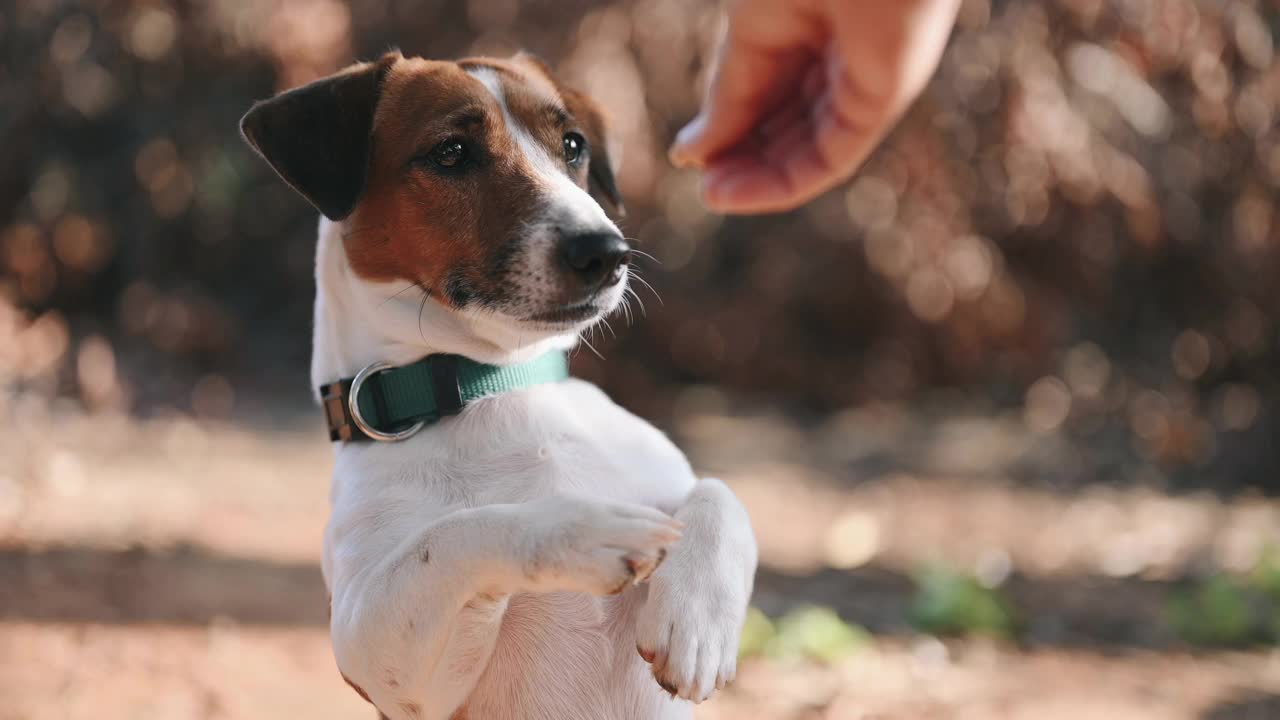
pixel 740 91
pixel 686 148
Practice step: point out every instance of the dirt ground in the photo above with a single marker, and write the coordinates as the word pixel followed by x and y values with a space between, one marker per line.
pixel 168 568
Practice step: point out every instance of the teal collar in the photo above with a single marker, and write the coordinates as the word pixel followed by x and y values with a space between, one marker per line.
pixel 388 403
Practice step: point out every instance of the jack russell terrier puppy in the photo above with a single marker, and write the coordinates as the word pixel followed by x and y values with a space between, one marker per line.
pixel 498 531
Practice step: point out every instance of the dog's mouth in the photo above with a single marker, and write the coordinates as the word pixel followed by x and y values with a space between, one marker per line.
pixel 567 315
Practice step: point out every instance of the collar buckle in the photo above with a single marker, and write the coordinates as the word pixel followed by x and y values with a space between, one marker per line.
pixel 353 407
pixel 333 400
pixel 410 397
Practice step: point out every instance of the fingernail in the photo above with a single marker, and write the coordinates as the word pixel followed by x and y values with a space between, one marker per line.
pixel 692 130
pixel 680 152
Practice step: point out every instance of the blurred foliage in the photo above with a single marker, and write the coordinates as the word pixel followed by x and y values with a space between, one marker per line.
pixel 757 631
pixel 1222 610
pixel 1217 611
pixel 814 633
pixel 948 602
pixel 1077 218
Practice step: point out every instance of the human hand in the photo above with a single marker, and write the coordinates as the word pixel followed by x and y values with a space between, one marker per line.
pixel 802 91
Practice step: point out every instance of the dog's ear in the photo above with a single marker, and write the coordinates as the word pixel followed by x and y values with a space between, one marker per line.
pixel 605 154
pixel 319 137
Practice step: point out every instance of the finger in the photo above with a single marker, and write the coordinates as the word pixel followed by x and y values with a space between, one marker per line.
pixel 747 82
pixel 765 187
pixel 787 115
pixel 798 162
pixel 734 101
pixel 747 186
pixel 773 177
pixel 797 106
pixel 784 131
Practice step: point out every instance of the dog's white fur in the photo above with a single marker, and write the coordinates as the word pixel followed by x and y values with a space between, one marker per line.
pixel 470 566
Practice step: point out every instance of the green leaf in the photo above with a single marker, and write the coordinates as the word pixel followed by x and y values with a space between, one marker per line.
pixel 1214 613
pixel 817 633
pixel 1265 576
pixel 952 603
pixel 757 633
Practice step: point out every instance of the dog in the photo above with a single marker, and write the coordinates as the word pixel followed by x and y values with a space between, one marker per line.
pixel 541 553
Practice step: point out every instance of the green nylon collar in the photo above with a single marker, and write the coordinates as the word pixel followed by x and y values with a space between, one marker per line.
pixel 394 400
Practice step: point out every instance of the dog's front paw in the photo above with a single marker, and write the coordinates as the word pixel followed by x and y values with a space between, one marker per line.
pixel 596 547
pixel 688 629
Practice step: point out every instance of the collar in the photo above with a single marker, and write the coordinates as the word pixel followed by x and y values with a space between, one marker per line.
pixel 388 403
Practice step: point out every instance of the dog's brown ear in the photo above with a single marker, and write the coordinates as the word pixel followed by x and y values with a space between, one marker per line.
pixel 600 167
pixel 318 137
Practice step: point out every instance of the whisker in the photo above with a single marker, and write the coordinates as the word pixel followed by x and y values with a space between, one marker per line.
pixel 636 295
pixel 651 288
pixel 421 309
pixel 626 310
pixel 590 346
pixel 626 305
pixel 642 253
pixel 399 292
pixel 643 310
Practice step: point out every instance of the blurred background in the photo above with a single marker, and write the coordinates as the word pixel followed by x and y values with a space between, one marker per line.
pixel 1003 407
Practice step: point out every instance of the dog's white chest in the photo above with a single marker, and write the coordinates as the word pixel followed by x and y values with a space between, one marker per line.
pixel 563 438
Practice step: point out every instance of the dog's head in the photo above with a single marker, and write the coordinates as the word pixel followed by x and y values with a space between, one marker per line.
pixel 477 181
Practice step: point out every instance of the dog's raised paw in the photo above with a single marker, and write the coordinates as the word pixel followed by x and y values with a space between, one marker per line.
pixel 688 631
pixel 599 548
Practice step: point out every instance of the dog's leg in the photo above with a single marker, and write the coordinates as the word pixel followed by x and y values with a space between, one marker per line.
pixel 415 631
pixel 689 627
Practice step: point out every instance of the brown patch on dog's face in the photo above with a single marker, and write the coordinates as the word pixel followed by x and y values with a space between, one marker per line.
pixel 423 223
pixel 471 180
pixel 472 185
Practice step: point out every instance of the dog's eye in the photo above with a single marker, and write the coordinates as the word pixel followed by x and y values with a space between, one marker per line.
pixel 450 154
pixel 574 145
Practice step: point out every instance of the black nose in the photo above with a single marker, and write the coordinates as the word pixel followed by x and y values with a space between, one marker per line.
pixel 595 258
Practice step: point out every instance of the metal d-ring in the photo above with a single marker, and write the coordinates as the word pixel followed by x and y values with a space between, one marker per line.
pixel 353 403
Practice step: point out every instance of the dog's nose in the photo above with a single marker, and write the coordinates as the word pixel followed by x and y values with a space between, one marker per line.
pixel 595 258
